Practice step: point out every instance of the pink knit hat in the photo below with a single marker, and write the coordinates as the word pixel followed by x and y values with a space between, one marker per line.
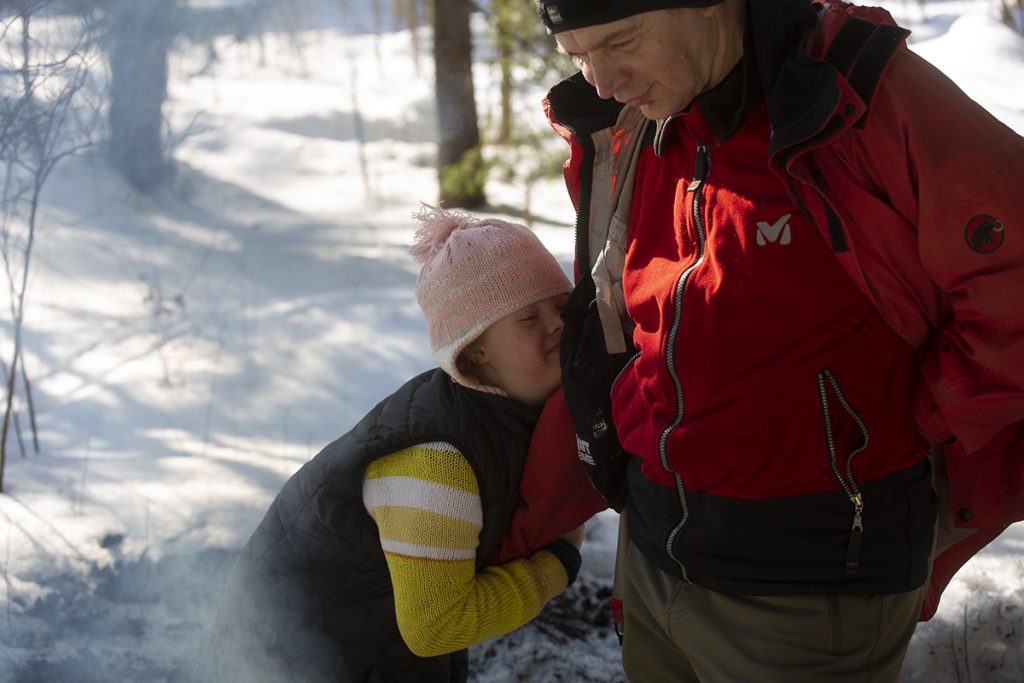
pixel 475 272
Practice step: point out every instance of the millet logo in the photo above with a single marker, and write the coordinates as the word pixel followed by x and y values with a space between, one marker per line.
pixel 776 233
pixel 553 14
pixel 984 234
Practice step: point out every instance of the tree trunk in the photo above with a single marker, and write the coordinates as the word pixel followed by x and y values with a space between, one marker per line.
pixel 461 170
pixel 505 30
pixel 141 35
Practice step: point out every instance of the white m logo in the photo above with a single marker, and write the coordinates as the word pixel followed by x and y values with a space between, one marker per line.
pixel 774 232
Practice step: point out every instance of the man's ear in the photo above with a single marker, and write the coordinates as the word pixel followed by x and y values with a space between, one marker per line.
pixel 477 355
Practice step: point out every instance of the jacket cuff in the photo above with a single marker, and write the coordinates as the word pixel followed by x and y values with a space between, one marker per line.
pixel 568 555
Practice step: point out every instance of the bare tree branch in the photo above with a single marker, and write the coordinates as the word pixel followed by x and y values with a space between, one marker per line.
pixel 43 121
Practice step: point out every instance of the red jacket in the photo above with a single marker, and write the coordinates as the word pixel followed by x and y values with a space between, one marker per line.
pixel 555 496
pixel 916 190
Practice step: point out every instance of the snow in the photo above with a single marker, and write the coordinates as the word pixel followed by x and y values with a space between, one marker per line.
pixel 188 352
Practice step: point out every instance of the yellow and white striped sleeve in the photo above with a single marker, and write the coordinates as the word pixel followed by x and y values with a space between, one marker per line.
pixel 426 503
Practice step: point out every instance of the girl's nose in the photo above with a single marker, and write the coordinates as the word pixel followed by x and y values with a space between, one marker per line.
pixel 554 320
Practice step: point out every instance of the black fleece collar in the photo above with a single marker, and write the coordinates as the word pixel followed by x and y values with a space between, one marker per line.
pixel 726 106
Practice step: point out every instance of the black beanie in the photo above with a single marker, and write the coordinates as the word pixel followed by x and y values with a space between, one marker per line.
pixel 568 15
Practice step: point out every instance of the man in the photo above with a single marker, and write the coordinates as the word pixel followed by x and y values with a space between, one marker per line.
pixel 814 242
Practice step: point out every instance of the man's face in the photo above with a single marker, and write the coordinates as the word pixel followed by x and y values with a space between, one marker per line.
pixel 656 61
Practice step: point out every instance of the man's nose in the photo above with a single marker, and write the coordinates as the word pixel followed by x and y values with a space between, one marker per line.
pixel 604 75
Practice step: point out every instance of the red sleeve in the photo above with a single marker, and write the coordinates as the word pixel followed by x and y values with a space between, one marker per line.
pixel 946 272
pixel 958 168
pixel 555 495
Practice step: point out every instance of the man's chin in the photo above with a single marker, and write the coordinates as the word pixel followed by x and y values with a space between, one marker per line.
pixel 656 111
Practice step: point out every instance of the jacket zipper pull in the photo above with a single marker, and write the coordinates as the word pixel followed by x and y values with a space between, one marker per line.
pixel 700 168
pixel 856 535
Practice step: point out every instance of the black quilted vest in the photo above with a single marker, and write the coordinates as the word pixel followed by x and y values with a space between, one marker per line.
pixel 310 596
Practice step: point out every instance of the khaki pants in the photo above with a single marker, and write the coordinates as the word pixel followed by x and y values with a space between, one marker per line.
pixel 676 632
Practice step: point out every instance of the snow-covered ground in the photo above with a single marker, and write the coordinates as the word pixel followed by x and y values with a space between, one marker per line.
pixel 188 352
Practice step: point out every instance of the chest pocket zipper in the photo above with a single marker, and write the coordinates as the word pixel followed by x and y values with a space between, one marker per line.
pixel 827 380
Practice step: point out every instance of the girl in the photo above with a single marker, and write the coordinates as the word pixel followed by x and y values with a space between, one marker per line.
pixel 377 561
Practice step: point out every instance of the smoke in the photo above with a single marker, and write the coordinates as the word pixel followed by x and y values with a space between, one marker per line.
pixel 131 620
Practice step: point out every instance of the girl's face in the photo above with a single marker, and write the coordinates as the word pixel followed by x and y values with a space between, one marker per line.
pixel 519 353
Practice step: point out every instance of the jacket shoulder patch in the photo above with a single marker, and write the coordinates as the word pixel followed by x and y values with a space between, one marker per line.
pixel 984 234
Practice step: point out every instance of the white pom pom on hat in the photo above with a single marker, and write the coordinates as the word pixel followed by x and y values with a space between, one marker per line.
pixel 475 272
